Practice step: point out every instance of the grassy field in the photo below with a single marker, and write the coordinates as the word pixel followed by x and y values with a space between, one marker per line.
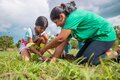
pixel 12 68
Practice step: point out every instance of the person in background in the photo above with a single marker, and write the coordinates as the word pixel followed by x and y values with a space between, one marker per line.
pixel 67 48
pixel 80 45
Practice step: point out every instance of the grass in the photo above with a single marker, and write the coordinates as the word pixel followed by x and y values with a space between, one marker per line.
pixel 11 68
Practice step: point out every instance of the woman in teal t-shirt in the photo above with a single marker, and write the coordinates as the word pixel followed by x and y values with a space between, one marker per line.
pixel 96 32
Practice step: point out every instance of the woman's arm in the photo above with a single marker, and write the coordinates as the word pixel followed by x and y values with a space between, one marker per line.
pixel 58 52
pixel 59 49
pixel 57 41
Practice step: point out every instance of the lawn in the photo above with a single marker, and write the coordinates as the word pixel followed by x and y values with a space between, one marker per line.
pixel 12 68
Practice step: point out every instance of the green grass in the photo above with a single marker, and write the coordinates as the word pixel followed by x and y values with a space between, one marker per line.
pixel 12 68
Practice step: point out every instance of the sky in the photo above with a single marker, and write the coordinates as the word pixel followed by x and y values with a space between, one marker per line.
pixel 17 15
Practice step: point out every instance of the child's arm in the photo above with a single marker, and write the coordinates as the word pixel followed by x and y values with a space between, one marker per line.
pixel 49 51
pixel 45 36
pixel 30 40
pixel 30 43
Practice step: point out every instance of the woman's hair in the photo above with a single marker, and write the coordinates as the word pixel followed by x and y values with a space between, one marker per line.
pixel 63 8
pixel 42 21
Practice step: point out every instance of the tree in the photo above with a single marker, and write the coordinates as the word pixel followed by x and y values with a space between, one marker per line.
pixel 6 42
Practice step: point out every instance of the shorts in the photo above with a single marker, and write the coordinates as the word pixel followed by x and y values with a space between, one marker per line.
pixel 22 46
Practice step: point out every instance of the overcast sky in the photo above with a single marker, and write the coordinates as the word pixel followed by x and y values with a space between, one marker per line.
pixel 17 15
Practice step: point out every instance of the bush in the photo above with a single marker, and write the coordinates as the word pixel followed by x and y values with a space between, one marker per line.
pixel 6 42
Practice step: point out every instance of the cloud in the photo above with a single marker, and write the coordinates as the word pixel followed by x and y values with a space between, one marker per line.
pixel 22 12
pixel 53 3
pixel 53 29
pixel 4 27
pixel 17 15
pixel 115 20
pixel 111 9
pixel 105 8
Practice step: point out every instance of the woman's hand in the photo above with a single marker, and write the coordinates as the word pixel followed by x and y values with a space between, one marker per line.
pixel 53 60
pixel 42 50
pixel 45 59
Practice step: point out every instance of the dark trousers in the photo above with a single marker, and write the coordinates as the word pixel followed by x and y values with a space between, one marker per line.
pixel 93 50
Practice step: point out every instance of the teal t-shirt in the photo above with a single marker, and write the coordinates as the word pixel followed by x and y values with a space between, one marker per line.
pixel 28 34
pixel 87 25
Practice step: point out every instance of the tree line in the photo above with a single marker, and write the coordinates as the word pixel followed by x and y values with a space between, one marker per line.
pixel 8 42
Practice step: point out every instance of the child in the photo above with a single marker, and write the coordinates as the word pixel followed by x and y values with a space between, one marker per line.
pixel 30 42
